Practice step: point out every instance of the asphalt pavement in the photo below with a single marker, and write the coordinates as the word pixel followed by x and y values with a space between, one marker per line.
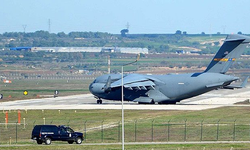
pixel 213 99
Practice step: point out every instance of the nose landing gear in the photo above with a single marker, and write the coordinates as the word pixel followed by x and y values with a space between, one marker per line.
pixel 99 101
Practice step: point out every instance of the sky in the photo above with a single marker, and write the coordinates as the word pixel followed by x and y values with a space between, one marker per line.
pixel 143 16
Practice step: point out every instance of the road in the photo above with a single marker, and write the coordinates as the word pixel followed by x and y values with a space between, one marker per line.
pixel 213 99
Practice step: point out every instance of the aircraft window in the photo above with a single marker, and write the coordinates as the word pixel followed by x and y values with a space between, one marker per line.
pixel 94 81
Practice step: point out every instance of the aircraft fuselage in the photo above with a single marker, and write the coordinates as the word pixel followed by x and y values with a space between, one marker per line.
pixel 168 88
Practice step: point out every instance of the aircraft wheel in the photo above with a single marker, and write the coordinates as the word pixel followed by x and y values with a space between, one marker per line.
pixel 99 101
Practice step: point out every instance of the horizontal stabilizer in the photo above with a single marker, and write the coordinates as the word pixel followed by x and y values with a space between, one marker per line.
pixel 243 85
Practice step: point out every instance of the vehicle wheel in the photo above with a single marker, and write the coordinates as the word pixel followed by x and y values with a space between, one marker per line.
pixel 39 141
pixel 78 140
pixel 100 101
pixel 70 142
pixel 47 141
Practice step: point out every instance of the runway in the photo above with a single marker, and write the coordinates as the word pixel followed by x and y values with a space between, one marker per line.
pixel 213 99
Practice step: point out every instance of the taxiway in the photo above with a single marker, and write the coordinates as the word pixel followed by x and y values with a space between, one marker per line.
pixel 213 99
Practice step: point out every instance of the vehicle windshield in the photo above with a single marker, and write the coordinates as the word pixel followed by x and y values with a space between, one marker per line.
pixel 69 130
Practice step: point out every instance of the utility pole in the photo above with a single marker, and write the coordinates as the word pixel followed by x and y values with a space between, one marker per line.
pixel 127 26
pixel 49 24
pixel 24 28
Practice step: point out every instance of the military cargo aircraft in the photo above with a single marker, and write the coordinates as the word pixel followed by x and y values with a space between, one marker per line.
pixel 172 88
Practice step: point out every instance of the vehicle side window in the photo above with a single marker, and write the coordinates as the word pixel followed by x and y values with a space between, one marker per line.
pixel 45 129
pixel 54 129
pixel 63 130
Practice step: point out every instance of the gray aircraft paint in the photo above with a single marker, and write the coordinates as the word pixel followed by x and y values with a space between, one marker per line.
pixel 172 88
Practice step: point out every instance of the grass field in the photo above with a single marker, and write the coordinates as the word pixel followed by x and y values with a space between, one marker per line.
pixel 42 88
pixel 102 126
pixel 241 146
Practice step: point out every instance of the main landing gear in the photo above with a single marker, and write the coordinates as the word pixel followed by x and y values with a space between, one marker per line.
pixel 99 101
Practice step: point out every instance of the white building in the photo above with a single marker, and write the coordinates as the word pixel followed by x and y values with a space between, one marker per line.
pixel 134 50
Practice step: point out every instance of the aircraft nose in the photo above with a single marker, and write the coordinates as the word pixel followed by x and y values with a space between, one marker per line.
pixel 96 88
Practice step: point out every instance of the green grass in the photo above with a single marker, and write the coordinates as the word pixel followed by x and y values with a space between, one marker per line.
pixel 140 125
pixel 132 147
pixel 43 87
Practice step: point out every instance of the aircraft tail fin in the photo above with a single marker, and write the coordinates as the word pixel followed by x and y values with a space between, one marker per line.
pixel 231 50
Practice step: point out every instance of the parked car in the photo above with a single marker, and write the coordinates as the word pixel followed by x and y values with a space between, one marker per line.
pixel 47 133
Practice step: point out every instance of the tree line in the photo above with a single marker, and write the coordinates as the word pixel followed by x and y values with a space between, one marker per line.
pixel 156 43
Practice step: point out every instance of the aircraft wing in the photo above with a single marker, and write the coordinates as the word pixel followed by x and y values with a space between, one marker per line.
pixel 135 81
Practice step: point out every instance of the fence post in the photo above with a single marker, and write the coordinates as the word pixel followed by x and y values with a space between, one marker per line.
pixel 234 130
pixel 68 122
pixel 218 122
pixel 16 132
pixel 185 131
pixel 201 128
pixel 249 129
pixel 24 123
pixel 135 129
pixel 34 123
pixel 168 128
pixel 85 131
pixel 152 133
pixel 102 131
pixel 119 131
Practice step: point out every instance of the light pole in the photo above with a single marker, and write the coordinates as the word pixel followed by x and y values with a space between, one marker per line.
pixel 123 133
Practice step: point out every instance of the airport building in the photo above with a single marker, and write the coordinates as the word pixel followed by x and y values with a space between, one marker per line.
pixel 134 50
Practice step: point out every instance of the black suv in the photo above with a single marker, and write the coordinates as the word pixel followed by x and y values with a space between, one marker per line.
pixel 48 133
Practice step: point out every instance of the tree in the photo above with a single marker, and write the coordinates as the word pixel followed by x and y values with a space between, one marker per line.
pixel 239 32
pixel 61 34
pixel 123 32
pixel 178 32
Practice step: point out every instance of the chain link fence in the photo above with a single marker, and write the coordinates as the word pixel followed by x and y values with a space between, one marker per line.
pixel 135 131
